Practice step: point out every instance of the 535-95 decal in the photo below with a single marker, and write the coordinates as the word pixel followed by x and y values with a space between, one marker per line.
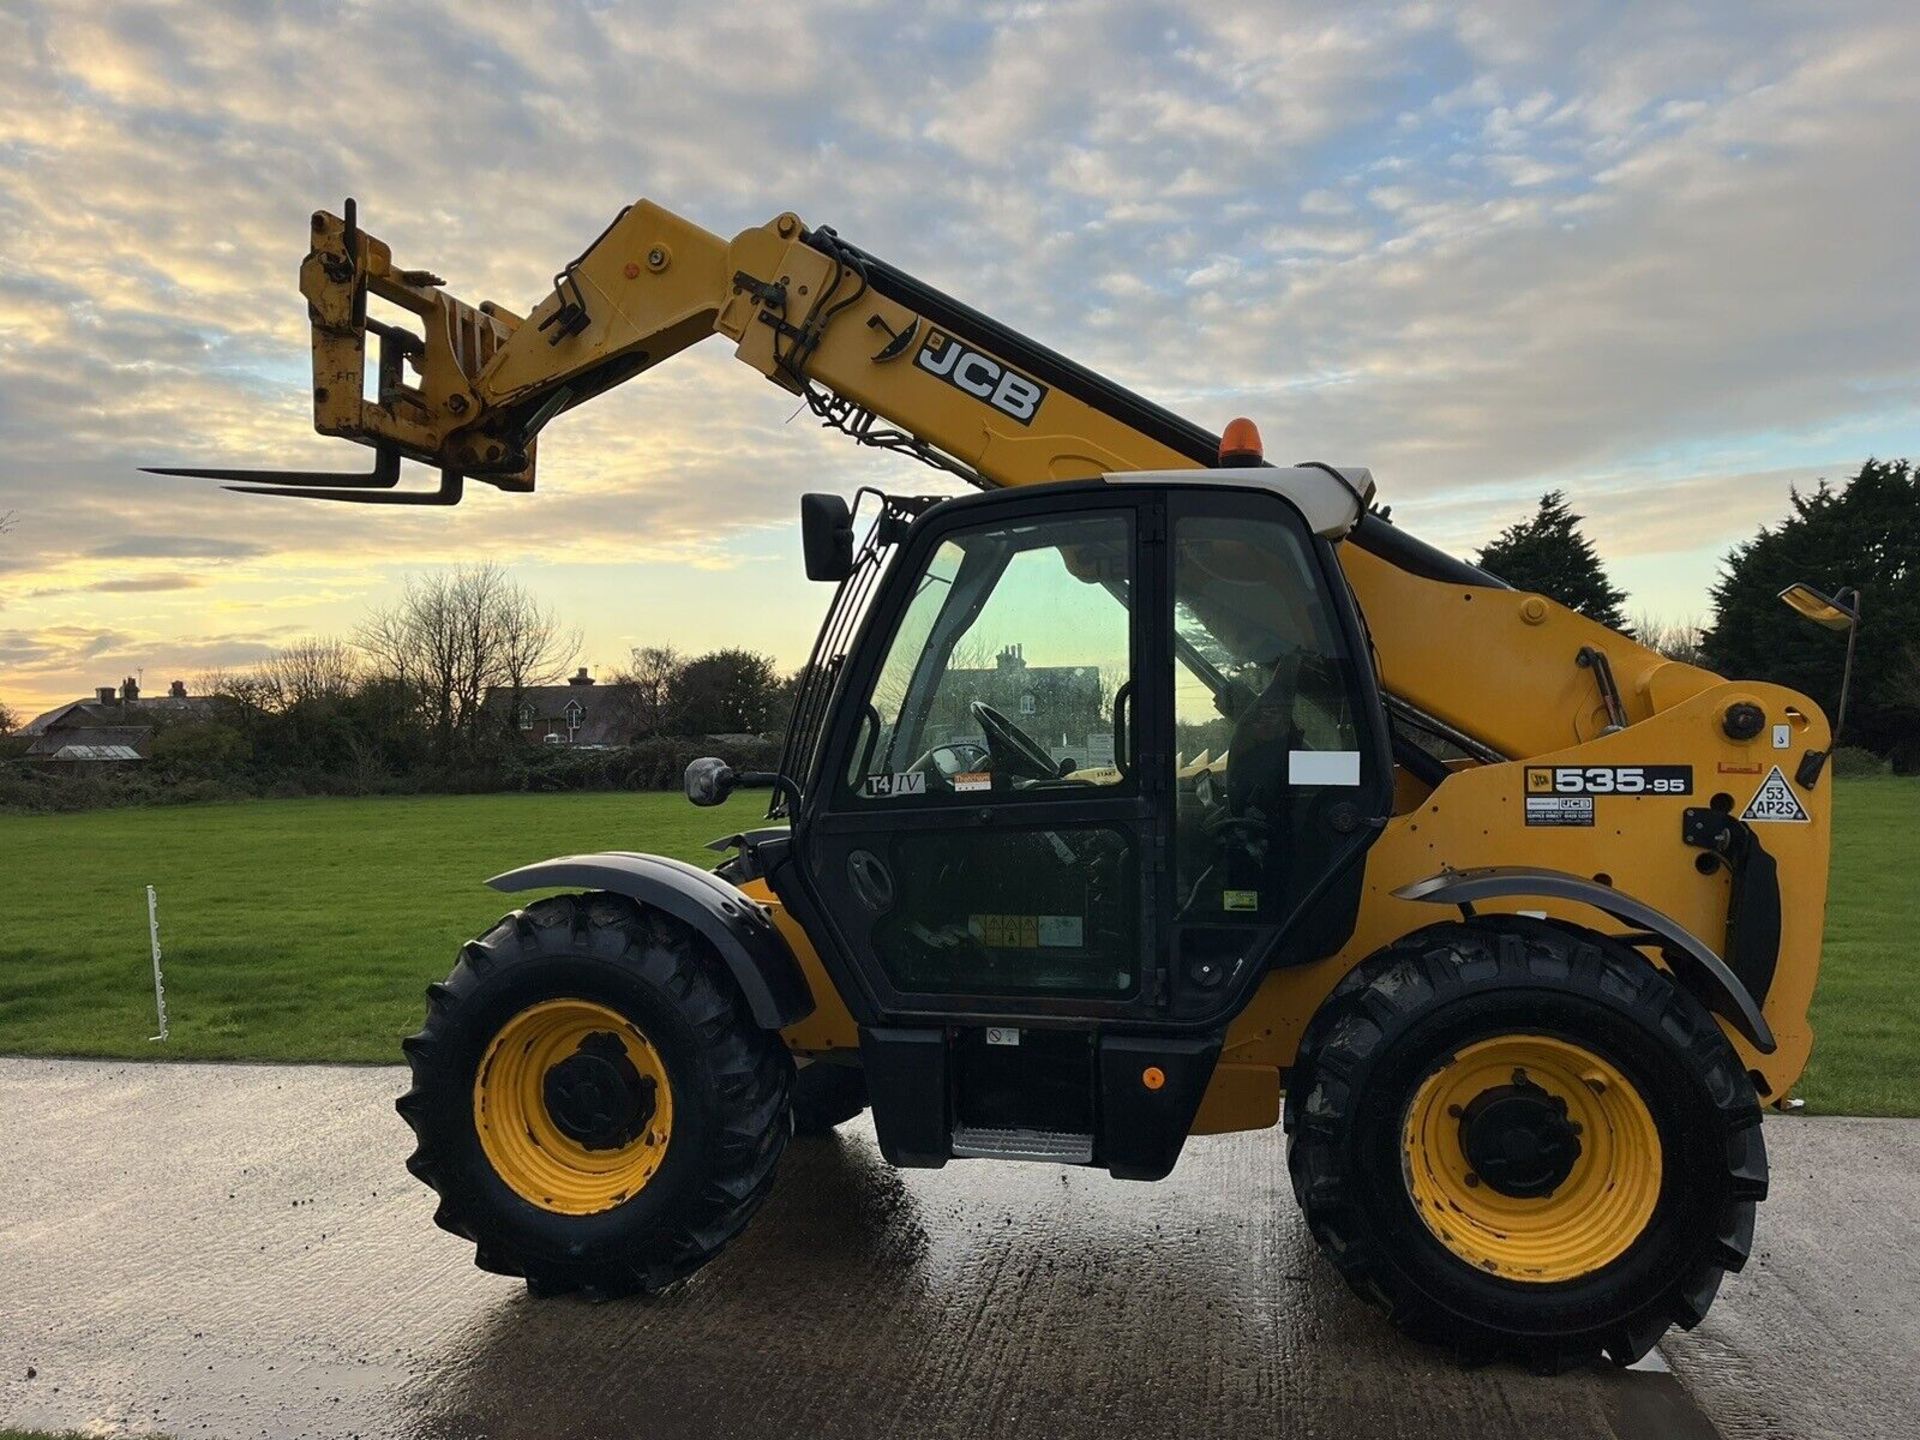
pixel 1609 780
pixel 1564 794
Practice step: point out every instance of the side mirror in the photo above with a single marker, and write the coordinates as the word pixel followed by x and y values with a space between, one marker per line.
pixel 709 781
pixel 826 537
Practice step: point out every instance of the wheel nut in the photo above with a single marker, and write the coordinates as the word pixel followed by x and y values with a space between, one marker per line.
pixel 1473 1181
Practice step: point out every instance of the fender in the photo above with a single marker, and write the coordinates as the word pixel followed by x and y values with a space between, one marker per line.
pixel 753 951
pixel 1690 957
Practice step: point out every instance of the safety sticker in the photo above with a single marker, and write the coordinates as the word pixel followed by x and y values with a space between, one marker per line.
pixel 1559 809
pixel 1028 932
pixel 973 780
pixel 1775 803
pixel 1239 899
pixel 1061 932
pixel 1782 737
pixel 1609 780
pixel 891 787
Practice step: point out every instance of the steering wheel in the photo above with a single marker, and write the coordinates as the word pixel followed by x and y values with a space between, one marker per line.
pixel 1014 751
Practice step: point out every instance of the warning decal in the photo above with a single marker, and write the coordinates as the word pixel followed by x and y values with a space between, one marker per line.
pixel 1774 802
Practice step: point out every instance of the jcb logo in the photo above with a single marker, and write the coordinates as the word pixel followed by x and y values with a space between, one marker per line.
pixel 1001 386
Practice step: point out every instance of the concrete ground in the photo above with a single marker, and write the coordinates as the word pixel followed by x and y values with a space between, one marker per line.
pixel 235 1251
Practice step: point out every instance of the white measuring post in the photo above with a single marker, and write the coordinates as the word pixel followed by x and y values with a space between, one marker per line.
pixel 159 988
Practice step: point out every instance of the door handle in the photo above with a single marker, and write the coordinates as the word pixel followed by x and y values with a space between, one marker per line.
pixel 871 882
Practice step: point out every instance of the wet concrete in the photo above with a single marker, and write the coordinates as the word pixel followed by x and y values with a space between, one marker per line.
pixel 1819 1337
pixel 236 1251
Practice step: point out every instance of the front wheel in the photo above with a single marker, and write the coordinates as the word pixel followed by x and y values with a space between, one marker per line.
pixel 593 1101
pixel 1523 1140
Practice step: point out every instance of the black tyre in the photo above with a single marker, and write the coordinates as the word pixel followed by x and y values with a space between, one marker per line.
pixel 593 1102
pixel 1523 1140
pixel 826 1095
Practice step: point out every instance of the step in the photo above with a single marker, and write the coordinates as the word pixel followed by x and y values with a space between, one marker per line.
pixel 1052 1147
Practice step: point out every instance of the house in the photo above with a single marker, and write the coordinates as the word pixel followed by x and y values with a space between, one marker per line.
pixel 1062 706
pixel 115 726
pixel 576 713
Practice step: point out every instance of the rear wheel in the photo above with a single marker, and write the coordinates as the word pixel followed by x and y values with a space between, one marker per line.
pixel 593 1102
pixel 1523 1140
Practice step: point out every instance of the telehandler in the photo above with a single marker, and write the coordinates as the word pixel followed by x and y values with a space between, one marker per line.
pixel 1149 786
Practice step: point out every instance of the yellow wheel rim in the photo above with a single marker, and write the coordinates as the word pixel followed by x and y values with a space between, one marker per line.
pixel 1595 1203
pixel 588 1137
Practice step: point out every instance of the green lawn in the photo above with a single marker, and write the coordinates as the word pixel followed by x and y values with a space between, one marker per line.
pixel 305 930
pixel 289 929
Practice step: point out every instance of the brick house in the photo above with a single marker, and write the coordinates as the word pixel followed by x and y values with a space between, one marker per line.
pixel 115 726
pixel 576 713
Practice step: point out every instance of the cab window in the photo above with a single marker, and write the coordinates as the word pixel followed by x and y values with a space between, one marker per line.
pixel 1007 667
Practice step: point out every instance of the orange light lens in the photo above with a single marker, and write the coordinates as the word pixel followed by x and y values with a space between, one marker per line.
pixel 1153 1077
pixel 1240 442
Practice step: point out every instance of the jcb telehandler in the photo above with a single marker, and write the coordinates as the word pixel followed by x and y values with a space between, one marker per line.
pixel 1149 786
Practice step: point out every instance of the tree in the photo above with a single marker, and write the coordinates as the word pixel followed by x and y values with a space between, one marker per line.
pixel 727 692
pixel 1548 555
pixel 1864 536
pixel 1675 639
pixel 313 670
pixel 456 635
pixel 648 690
pixel 9 722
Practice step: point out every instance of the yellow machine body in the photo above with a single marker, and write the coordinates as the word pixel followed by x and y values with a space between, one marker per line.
pixel 1495 664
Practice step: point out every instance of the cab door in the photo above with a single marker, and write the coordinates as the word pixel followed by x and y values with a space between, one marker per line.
pixel 983 834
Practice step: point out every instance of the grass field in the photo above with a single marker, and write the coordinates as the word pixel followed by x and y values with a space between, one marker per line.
pixel 306 930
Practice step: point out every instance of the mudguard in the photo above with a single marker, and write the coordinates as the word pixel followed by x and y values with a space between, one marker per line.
pixel 738 929
pixel 1718 987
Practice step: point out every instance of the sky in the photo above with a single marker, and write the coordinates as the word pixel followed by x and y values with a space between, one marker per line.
pixel 1661 256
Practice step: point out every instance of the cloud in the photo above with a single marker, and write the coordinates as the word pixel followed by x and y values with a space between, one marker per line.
pixel 177 547
pixel 128 585
pixel 1488 249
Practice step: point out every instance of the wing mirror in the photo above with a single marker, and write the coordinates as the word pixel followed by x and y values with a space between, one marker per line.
pixel 710 780
pixel 826 537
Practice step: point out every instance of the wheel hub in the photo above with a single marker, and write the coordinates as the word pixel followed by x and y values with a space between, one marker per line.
pixel 597 1097
pixel 1518 1138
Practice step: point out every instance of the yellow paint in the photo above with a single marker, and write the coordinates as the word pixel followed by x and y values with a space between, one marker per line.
pixel 536 1160
pixel 829 1026
pixel 1590 1220
pixel 1239 1097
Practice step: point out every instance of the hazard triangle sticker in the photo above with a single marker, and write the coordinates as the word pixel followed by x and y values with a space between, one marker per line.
pixel 1775 802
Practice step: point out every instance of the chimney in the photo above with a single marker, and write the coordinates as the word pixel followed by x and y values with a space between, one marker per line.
pixel 129 691
pixel 177 690
pixel 103 695
pixel 580 677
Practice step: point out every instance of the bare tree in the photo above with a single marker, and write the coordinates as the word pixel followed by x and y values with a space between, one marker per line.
pixel 457 635
pixel 314 669
pixel 534 650
pixel 8 519
pixel 1676 639
pixel 9 721
pixel 648 689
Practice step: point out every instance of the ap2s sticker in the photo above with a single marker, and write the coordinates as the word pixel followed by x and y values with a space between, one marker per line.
pixel 981 376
